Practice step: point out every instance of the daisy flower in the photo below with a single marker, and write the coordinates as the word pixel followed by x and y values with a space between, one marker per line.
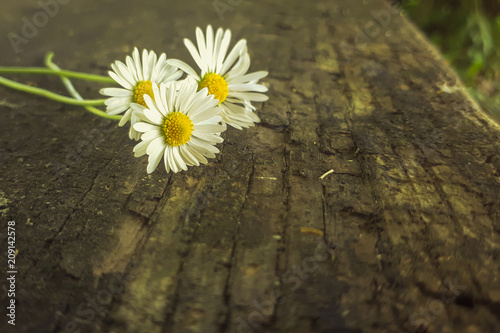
pixel 179 124
pixel 225 77
pixel 136 77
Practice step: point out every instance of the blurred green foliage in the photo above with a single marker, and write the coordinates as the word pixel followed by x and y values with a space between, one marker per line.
pixel 468 34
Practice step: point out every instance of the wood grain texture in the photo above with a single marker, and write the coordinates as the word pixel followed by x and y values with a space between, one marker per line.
pixel 402 236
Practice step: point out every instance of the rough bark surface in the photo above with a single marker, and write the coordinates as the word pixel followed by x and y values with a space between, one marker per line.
pixel 402 236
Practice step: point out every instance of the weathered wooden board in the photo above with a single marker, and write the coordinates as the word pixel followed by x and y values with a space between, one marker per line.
pixel 403 236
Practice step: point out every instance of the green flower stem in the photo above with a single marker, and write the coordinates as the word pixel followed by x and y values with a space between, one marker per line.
pixel 71 89
pixel 49 94
pixel 43 70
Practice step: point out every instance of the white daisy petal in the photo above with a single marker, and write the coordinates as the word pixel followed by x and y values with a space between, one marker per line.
pixel 167 73
pixel 223 50
pixel 173 76
pixel 194 53
pixel 172 163
pixel 133 134
pixel 125 118
pixel 187 156
pixel 248 77
pixel 247 87
pixel 240 119
pixel 137 63
pixel 209 128
pixel 233 55
pixel 123 71
pixel 120 80
pixel 183 91
pixel 233 108
pixel 201 148
pixel 155 145
pixel 153 115
pixel 140 148
pixel 202 116
pixel 216 49
pixel 250 96
pixel 233 100
pixel 178 158
pixel 209 49
pixel 148 61
pixel 202 48
pixel 143 127
pixel 117 110
pixel 155 158
pixel 137 76
pixel 161 95
pixel 115 102
pixel 116 92
pixel 208 102
pixel 168 151
pixel 183 66
pixel 151 103
pixel 131 67
pixel 180 139
pixel 224 77
pixel 212 138
pixel 199 156
pixel 170 98
pixel 213 120
pixel 208 148
pixel 158 66
pixel 137 107
pixel 240 68
pixel 152 134
pixel 192 96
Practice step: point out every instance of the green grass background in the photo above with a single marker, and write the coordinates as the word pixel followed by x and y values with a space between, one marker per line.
pixel 468 34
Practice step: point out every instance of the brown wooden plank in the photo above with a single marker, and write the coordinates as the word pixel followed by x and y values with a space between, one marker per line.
pixel 402 235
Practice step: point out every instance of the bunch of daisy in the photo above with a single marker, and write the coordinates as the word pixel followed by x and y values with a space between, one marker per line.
pixel 181 121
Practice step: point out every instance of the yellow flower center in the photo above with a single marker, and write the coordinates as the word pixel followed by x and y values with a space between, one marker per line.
pixel 177 128
pixel 216 85
pixel 141 89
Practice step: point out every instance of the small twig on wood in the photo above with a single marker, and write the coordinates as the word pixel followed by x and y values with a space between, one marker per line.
pixel 325 174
